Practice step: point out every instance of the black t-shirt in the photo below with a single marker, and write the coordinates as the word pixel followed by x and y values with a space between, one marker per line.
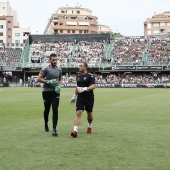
pixel 85 81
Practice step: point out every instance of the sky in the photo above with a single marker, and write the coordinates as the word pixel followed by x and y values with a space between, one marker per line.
pixel 123 16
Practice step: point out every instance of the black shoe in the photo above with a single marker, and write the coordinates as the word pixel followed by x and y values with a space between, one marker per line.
pixel 54 133
pixel 46 128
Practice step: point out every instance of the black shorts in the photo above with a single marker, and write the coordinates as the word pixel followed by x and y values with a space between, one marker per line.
pixel 85 104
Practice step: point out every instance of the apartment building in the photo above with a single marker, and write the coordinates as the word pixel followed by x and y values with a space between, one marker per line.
pixel 104 29
pixel 159 24
pixel 10 31
pixel 72 20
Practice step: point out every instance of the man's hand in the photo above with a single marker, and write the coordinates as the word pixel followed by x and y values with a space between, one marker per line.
pixel 57 89
pixel 82 89
pixel 73 99
pixel 53 82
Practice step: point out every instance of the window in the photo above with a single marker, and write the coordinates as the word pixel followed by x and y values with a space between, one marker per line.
pixel 84 23
pixel 149 32
pixel 9 21
pixel 162 30
pixel 61 24
pixel 1 41
pixel 56 31
pixel 78 12
pixel 156 24
pixel 61 31
pixel 55 18
pixel 62 11
pixel 80 31
pixel 93 25
pixel 17 34
pixel 9 29
pixel 72 12
pixel 73 18
pixel 1 26
pixel 17 41
pixel 73 31
pixel 1 33
pixel 162 24
pixel 155 32
pixel 9 36
pixel 149 25
pixel 68 31
pixel 81 18
pixel 71 23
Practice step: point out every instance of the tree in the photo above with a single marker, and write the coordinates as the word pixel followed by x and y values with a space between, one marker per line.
pixel 117 35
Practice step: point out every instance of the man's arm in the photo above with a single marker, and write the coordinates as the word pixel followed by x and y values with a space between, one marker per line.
pixel 41 79
pixel 74 98
pixel 91 87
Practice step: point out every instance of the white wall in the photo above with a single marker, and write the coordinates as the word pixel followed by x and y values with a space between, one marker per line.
pixel 14 14
pixel 19 37
pixel 69 11
pixel 4 8
pixel 3 30
pixel 103 28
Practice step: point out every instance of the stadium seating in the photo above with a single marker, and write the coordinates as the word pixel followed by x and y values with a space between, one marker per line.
pixel 10 57
pixel 125 51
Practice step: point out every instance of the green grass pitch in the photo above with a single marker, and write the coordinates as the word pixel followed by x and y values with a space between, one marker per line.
pixel 131 131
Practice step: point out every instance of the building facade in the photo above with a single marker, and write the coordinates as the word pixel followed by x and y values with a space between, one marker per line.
pixel 72 20
pixel 159 24
pixel 104 29
pixel 10 31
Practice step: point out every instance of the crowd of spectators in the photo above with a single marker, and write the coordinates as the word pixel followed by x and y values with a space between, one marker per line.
pixel 138 51
pixel 10 56
pixel 124 78
pixel 90 52
pixel 128 50
pixel 159 51
pixel 40 52
pixel 139 78
pixel 141 51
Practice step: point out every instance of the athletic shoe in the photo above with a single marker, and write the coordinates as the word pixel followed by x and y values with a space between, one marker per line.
pixel 89 130
pixel 54 133
pixel 74 134
pixel 46 128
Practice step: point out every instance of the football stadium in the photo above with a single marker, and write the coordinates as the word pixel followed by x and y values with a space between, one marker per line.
pixel 131 109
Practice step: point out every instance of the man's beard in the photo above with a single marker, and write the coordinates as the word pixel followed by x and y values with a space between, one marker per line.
pixel 53 64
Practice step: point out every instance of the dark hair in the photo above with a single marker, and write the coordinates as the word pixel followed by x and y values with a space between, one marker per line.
pixel 52 55
pixel 85 64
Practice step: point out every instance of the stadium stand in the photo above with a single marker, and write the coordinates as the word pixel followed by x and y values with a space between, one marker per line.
pixel 127 51
pixel 97 51
pixel 10 57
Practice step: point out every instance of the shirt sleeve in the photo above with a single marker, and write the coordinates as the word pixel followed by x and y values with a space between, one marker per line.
pixel 60 74
pixel 92 79
pixel 43 72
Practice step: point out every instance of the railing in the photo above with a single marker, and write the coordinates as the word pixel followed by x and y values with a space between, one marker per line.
pixel 90 65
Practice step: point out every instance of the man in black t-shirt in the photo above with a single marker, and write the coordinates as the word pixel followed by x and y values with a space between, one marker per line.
pixel 85 97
